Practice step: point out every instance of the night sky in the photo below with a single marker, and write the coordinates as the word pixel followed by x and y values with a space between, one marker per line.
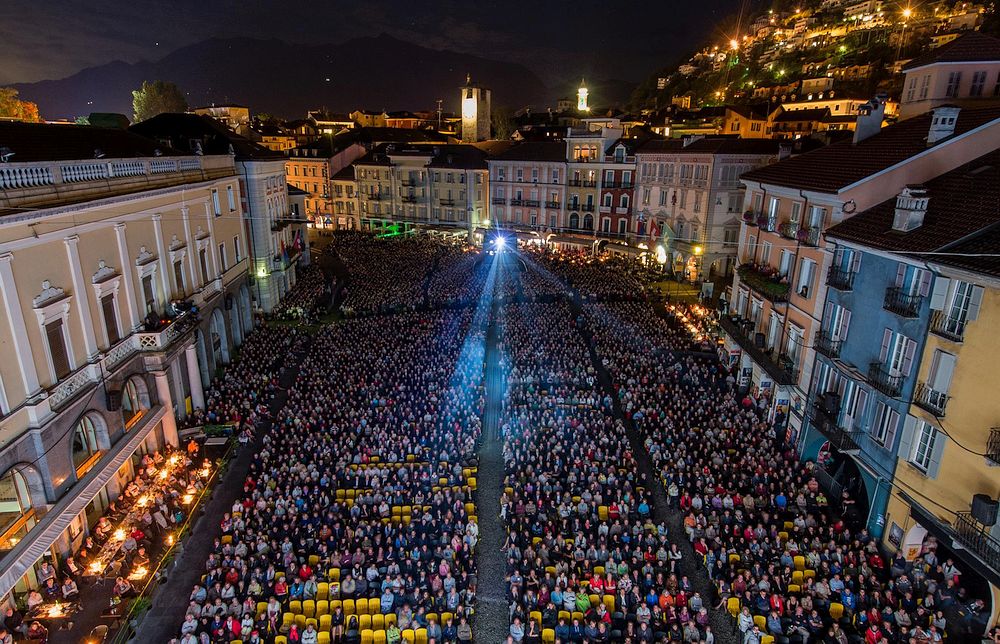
pixel 558 39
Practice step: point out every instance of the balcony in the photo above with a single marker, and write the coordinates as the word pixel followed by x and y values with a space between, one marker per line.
pixel 517 201
pixel 587 207
pixel 788 230
pixel 582 183
pixel 499 201
pixel 930 400
pixel 765 280
pixel 888 383
pixel 993 445
pixel 947 326
pixel 827 345
pixel 846 441
pixel 373 196
pixel 447 202
pixel 408 198
pixel 552 204
pixel 902 303
pixel 532 203
pixel 409 183
pixel 840 279
pixel 976 538
pixel 782 369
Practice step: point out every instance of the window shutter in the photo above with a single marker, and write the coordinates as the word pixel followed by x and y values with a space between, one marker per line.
pixel 845 324
pixel 862 403
pixel 828 317
pixel 939 441
pixel 855 261
pixel 925 283
pixel 944 368
pixel 900 274
pixel 906 438
pixel 940 293
pixel 891 428
pixel 911 348
pixel 886 340
pixel 57 347
pixel 110 319
pixel 975 301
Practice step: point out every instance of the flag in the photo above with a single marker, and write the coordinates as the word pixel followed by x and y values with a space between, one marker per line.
pixel 654 230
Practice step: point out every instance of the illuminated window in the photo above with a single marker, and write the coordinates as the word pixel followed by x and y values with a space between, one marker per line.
pixel 85 446
pixel 131 404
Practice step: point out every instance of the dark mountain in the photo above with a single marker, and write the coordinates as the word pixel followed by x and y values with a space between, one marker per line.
pixel 288 79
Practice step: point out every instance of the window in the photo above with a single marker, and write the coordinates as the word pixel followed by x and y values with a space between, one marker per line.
pixel 836 321
pixel 924 448
pixel 222 257
pixel 785 263
pixel 978 82
pixel 217 209
pixel 231 196
pixel 131 404
pixel 15 501
pixel 897 353
pixel 925 86
pixel 622 226
pixel 609 177
pixel 57 348
pixel 607 199
pixel 110 319
pixel 853 405
pixel 237 249
pixel 883 429
pixel 793 347
pixel 939 378
pixel 149 293
pixel 645 196
pixel 85 446
pixel 765 253
pixel 623 202
pixel 911 89
pixel 954 79
pixel 179 278
pixel 555 175
pixel 807 270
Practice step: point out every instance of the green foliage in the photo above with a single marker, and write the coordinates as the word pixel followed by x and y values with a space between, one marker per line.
pixel 157 97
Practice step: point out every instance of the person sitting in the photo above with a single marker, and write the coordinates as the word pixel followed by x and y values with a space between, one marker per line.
pixel 69 589
pixel 123 587
pixel 37 633
pixel 35 600
pixel 51 589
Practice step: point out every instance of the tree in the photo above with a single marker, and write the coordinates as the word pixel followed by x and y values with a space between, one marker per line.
pixel 503 124
pixel 156 98
pixel 14 108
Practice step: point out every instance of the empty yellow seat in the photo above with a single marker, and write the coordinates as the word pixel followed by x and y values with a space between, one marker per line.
pixel 760 621
pixel 309 608
pixel 365 622
pixel 378 622
pixel 313 560
pixel 349 607
pixel 409 636
pixel 794 588
pixel 733 606
pixel 548 636
pixel 322 607
pixel 800 562
pixel 227 538
pixel 836 610
pixel 295 606
pixel 379 637
pixel 609 603
pixel 367 637
pixel 421 636
pixel 280 639
pixel 323 637
pixel 325 622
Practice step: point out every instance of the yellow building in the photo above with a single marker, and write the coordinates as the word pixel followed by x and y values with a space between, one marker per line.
pixel 123 269
pixel 951 444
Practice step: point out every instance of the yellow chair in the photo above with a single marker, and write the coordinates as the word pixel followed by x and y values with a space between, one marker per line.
pixel 548 636
pixel 809 574
pixel 261 608
pixel 280 639
pixel 446 616
pixel 378 622
pixel 733 558
pixel 602 512
pixel 295 606
pixel 800 562
pixel 760 621
pixel 609 603
pixel 235 641
pixel 767 639
pixel 783 535
pixel 594 600
pixel 421 636
pixel 380 637
pixel 794 588
pixel 335 604
pixel 322 590
pixel 367 637
pixel 796 576
pixel 578 615
pixel 390 619
pixel 287 619
pixel 789 525
pixel 322 607
pixel 227 539
pixel 409 636
pixel 325 622
pixel 537 616
pixel 432 617
pixel 300 621
pixel 309 608
pixel 333 574
pixel 313 621
pixel 599 570
pixel 470 508
pixel 323 637
pixel 836 610
pixel 349 607
pixel 564 614
pixel 733 606
pixel 365 622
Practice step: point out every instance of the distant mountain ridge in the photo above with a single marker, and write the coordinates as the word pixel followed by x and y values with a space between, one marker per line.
pixel 285 79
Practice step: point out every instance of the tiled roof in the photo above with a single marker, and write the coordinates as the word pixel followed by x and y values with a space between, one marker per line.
pixel 345 174
pixel 809 114
pixel 977 254
pixel 43 142
pixel 534 151
pixel 838 165
pixel 215 137
pixel 963 203
pixel 292 190
pixel 971 46
pixel 710 145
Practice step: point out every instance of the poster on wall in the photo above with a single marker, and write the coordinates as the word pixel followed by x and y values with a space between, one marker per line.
pixel 913 543
pixel 734 357
pixel 895 535
pixel 745 378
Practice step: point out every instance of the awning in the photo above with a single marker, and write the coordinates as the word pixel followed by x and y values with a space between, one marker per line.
pixel 40 539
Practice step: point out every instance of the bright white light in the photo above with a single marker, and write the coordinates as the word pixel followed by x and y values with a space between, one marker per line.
pixel 499 242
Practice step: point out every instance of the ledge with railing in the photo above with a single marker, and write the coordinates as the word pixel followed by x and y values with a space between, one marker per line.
pixel 993 446
pixel 930 399
pixel 976 537
pixel 781 368
pixel 902 303
pixel 845 440
pixel 947 326
pixel 828 344
pixel 764 279
pixel 552 204
pixel 840 279
pixel 888 382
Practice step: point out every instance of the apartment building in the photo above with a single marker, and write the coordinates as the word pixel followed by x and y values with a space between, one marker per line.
pixel 901 397
pixel 690 198
pixel 964 72
pixel 141 296
pixel 528 187
pixel 426 186
pixel 785 267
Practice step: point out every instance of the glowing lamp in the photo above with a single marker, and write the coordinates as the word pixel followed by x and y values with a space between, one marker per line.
pixel 698 250
pixel 907 12
pixel 95 567
pixel 187 498
pixel 119 534
pixel 170 539
pixel 661 254
pixel 734 44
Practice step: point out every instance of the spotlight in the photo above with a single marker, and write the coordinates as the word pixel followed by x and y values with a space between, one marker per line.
pixel 499 242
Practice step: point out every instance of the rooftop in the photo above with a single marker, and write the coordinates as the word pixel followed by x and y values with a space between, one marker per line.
pixel 31 142
pixel 832 168
pixel 534 151
pixel 969 47
pixel 181 129
pixel 964 206
pixel 710 145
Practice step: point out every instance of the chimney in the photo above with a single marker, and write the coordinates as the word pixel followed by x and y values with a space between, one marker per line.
pixel 688 139
pixel 911 206
pixel 943 121
pixel 784 151
pixel 870 116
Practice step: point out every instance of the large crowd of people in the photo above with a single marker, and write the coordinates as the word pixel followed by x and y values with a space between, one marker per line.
pixel 357 522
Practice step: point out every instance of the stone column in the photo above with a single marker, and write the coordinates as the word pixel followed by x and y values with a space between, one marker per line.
pixel 194 377
pixel 127 266
pixel 83 300
pixel 15 317
pixel 165 268
pixel 169 419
